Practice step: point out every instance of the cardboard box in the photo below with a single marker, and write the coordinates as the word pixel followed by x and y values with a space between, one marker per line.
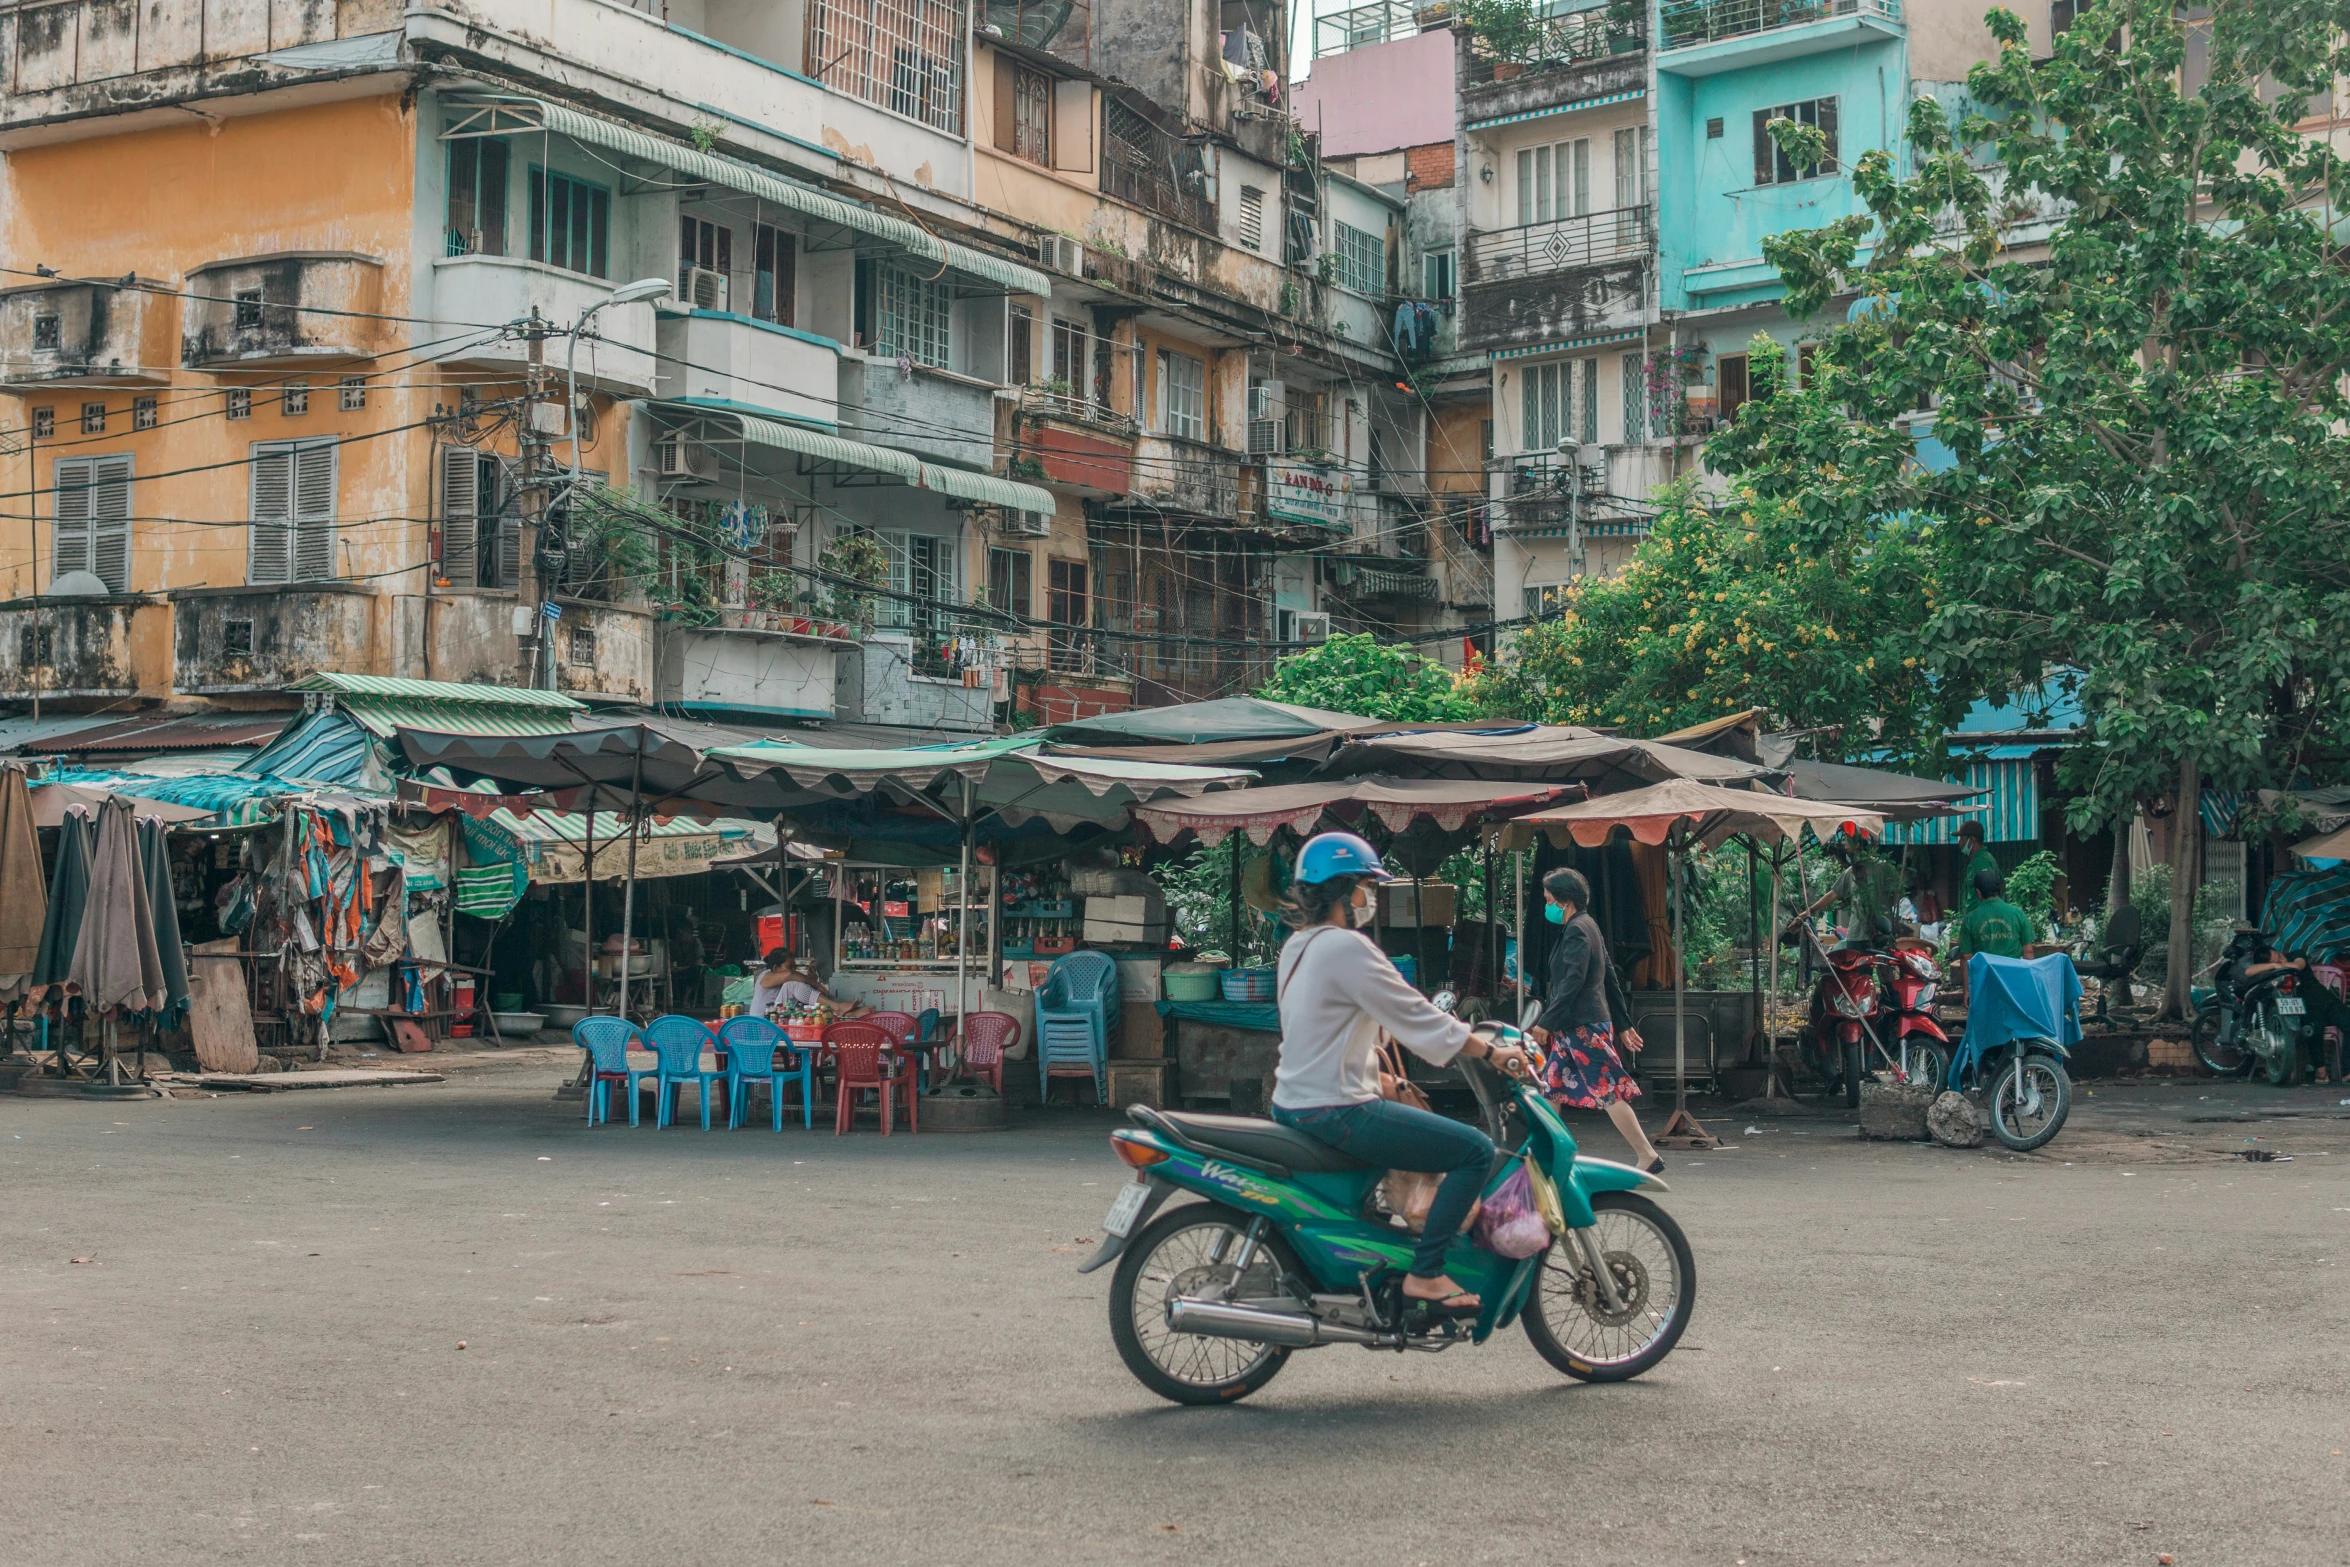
pixel 1106 932
pixel 1142 1033
pixel 1127 909
pixel 1141 1083
pixel 1438 899
pixel 1138 979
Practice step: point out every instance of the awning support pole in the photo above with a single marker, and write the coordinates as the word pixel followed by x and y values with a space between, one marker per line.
pixel 1684 1129
pixel 1518 909
pixel 1771 996
pixel 587 906
pixel 636 792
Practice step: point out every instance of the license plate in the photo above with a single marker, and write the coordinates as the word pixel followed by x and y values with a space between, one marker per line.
pixel 1122 1211
pixel 2292 1006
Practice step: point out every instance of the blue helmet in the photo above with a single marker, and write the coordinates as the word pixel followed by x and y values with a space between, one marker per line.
pixel 1339 854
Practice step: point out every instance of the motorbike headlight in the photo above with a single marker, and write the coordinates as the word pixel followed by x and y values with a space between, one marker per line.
pixel 1851 1007
pixel 1926 996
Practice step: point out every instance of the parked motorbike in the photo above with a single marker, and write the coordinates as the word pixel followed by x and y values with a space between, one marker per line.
pixel 2023 1016
pixel 1919 1047
pixel 1874 1006
pixel 2262 1024
pixel 1286 1252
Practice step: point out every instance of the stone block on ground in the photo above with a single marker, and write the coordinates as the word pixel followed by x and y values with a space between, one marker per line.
pixel 1894 1113
pixel 1955 1121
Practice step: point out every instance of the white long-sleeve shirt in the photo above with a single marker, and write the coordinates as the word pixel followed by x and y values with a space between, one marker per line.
pixel 1337 991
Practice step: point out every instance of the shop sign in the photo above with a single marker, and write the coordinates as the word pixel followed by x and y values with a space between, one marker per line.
pixel 1304 492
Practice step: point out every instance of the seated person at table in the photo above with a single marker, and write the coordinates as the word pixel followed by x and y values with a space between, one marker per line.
pixel 783 985
pixel 1993 925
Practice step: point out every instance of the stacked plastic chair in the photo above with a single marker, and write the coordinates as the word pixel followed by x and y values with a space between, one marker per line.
pixel 1073 1012
pixel 606 1041
pixel 751 1044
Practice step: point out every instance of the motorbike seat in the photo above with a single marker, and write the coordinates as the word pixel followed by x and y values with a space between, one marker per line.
pixel 1254 1138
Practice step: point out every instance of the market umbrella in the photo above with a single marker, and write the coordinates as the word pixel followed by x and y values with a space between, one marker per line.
pixel 163 901
pixel 69 892
pixel 1220 719
pixel 1679 814
pixel 2333 845
pixel 115 962
pixel 1555 753
pixel 24 902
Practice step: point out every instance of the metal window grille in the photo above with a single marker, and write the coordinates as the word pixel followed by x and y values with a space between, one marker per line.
pixel 916 319
pixel 1362 259
pixel 905 55
pixel 1153 170
pixel 45 333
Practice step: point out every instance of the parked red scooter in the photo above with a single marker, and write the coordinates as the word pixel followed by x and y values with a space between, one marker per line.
pixel 1917 1044
pixel 1871 1007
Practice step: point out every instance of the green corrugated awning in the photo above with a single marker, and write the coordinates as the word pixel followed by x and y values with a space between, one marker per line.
pixel 829 448
pixel 381 715
pixel 437 690
pixel 792 196
pixel 988 489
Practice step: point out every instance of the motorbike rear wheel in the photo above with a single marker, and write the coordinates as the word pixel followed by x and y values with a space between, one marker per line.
pixel 1567 1316
pixel 2220 1059
pixel 2029 1101
pixel 2280 1040
pixel 1185 1252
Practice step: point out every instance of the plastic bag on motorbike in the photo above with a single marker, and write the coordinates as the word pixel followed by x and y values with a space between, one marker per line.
pixel 1512 1224
pixel 1546 1197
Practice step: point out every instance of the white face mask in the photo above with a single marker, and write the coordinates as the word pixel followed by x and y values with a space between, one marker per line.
pixel 1362 914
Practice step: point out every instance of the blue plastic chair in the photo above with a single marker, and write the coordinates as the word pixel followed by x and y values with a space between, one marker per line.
pixel 750 1044
pixel 679 1042
pixel 606 1041
pixel 925 1033
pixel 1074 1009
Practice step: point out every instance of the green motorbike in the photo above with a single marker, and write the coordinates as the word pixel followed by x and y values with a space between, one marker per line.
pixel 1289 1250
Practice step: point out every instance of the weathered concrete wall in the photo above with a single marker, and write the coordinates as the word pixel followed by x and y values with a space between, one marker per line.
pixel 116 646
pixel 237 639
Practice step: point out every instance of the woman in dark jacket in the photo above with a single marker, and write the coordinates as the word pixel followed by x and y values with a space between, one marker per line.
pixel 1583 1007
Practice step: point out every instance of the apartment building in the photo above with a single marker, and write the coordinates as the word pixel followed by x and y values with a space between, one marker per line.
pixel 311 313
pixel 1381 99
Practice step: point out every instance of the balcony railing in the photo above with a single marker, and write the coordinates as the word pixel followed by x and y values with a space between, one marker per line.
pixel 1561 245
pixel 1689 22
pixel 1562 40
pixel 1076 408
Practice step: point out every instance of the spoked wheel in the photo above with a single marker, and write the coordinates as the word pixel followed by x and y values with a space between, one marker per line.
pixel 2030 1101
pixel 1191 1253
pixel 1852 1074
pixel 2278 1044
pixel 2220 1059
pixel 1568 1316
pixel 1924 1064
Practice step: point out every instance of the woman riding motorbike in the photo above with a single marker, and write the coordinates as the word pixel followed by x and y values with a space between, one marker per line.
pixel 1336 992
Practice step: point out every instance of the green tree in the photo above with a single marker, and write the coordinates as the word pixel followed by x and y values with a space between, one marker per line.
pixel 2129 307
pixel 1357 675
pixel 1805 603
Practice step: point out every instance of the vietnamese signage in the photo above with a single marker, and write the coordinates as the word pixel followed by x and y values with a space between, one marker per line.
pixel 1304 492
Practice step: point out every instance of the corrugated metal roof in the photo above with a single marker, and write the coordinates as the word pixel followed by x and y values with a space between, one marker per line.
pixel 436 691
pixel 328 748
pixel 203 732
pixel 33 734
pixel 384 714
pixel 987 489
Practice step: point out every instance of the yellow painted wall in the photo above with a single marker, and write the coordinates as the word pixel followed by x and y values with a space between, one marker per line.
pixel 1456 447
pixel 336 176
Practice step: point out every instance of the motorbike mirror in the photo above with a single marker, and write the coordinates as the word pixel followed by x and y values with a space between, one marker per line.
pixel 1446 1001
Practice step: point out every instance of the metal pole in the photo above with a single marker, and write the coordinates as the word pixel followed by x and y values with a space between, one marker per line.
pixel 1673 868
pixel 636 786
pixel 587 901
pixel 1518 905
pixel 570 489
pixel 963 918
pixel 1771 995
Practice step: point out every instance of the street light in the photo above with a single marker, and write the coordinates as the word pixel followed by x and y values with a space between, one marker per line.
pixel 643 288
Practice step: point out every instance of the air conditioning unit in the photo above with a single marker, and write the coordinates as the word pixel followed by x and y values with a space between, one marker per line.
pixel 678 458
pixel 704 288
pixel 1024 524
pixel 1264 437
pixel 1313 628
pixel 1060 253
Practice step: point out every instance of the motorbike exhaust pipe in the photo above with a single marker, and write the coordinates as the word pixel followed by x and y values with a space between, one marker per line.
pixel 1294 1329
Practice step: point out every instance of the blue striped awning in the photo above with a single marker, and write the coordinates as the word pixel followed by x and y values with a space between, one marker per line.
pixel 322 748
pixel 2010 813
pixel 1577 106
pixel 1570 345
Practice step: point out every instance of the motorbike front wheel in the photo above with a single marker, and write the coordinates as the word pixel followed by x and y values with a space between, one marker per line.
pixel 1189 1252
pixel 2220 1057
pixel 1924 1062
pixel 1852 1059
pixel 1567 1315
pixel 2030 1101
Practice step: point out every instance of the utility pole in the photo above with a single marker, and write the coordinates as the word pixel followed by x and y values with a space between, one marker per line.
pixel 537 475
pixel 1571 453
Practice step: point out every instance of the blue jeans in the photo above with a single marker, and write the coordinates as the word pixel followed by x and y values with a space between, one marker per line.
pixel 1404 1137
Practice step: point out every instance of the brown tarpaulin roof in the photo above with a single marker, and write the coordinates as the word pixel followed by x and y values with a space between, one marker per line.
pixel 1450 803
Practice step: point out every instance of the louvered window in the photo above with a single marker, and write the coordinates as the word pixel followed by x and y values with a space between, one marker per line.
pixel 480 546
pixel 94 518
pixel 293 512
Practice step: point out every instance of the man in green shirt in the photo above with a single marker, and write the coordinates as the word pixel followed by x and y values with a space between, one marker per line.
pixel 1993 925
pixel 1978 860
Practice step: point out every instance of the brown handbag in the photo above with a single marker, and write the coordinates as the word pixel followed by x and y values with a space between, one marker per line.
pixel 1394 1083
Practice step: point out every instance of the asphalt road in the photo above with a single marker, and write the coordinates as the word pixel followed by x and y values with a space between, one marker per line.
pixel 448 1325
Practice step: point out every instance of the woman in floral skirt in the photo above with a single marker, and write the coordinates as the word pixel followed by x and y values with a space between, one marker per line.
pixel 1580 1007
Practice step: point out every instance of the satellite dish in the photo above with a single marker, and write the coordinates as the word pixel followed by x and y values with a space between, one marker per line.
pixel 78 584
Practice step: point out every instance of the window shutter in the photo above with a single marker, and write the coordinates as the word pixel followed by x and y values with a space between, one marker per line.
pixel 314 512
pixel 1765 150
pixel 110 521
pixel 1525 187
pixel 73 516
pixel 1007 104
pixel 460 515
pixel 271 559
pixel 509 527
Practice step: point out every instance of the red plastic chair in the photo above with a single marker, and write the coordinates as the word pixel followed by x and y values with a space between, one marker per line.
pixel 899 1024
pixel 986 1036
pixel 904 1028
pixel 862 1058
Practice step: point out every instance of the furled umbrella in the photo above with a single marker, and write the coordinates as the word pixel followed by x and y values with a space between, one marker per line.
pixel 61 929
pixel 163 901
pixel 115 964
pixel 24 901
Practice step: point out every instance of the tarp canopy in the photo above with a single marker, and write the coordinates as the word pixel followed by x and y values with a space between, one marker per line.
pixel 1898 797
pixel 553 844
pixel 2307 913
pixel 50 801
pixel 1204 723
pixel 1397 802
pixel 1550 753
pixel 1001 777
pixel 1706 814
pixel 609 755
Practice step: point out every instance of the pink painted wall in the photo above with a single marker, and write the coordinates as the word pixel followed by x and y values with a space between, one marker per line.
pixel 1380 99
